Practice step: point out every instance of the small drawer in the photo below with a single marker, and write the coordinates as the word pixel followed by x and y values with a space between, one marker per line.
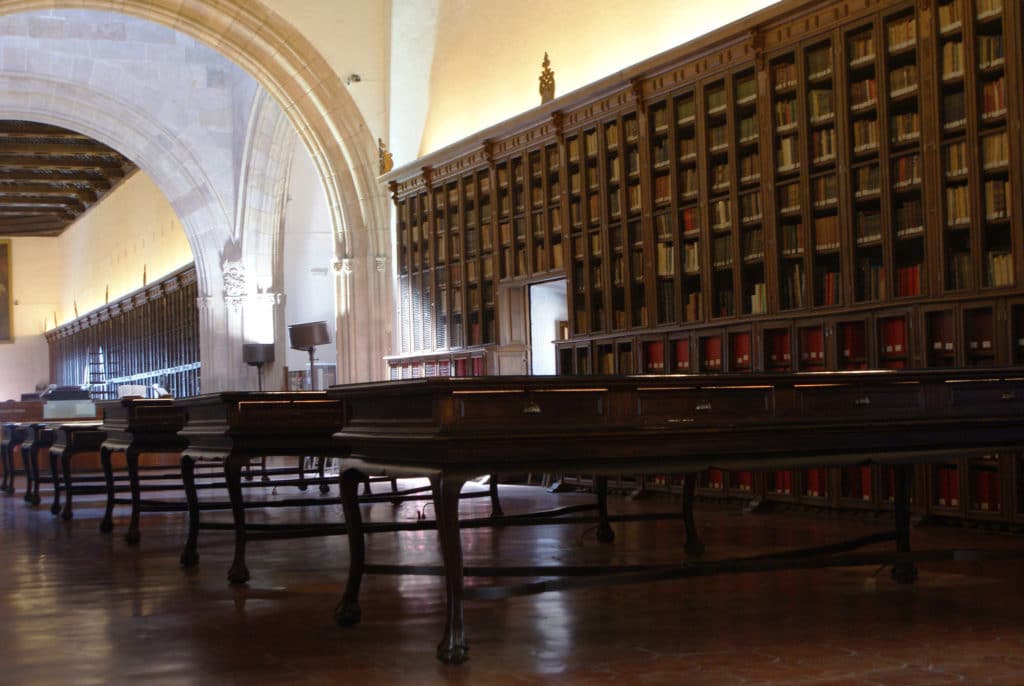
pixel 704 406
pixel 987 398
pixel 854 402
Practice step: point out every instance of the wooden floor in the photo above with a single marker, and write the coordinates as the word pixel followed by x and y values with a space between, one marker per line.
pixel 78 607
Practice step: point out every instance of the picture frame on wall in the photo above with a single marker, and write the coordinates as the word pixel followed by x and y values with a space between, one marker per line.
pixel 6 309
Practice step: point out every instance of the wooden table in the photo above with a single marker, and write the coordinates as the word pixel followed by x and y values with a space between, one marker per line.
pixel 234 428
pixel 449 429
pixel 136 426
pixel 70 439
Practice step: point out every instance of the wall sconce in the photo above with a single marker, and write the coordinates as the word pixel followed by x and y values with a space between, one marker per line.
pixel 256 355
pixel 306 337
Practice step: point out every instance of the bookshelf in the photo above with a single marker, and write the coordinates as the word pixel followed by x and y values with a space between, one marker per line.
pixel 826 187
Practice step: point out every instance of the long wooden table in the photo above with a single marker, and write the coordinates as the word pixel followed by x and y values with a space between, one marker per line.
pixel 450 429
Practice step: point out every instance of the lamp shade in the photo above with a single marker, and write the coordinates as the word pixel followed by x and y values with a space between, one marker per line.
pixel 305 336
pixel 257 353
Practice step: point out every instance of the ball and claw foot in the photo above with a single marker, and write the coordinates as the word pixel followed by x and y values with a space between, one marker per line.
pixel 189 558
pixel 106 526
pixel 238 574
pixel 131 537
pixel 347 613
pixel 67 515
pixel 452 654
pixel 904 573
pixel 605 534
pixel 694 548
pixel 324 488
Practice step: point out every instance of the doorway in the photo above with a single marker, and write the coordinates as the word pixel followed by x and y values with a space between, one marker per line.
pixel 548 324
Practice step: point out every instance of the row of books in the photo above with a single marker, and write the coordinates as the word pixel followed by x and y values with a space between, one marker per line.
pixel 721 253
pixel 826 233
pixel 792 287
pixel 856 482
pixel 819 62
pixel 902 32
pixel 993 98
pixel 825 190
pixel 997 199
pixel 999 268
pixel 958 204
pixel 954 113
pixel 951 15
pixel 908 218
pixel 827 287
pixel 861 47
pixel 986 490
pixel 785 112
pixel 758 299
pixel 788 156
pixel 820 104
pixel 868 180
pixel 871 280
pixel 865 134
pixel 823 144
pixel 792 238
pixel 750 207
pixel 902 79
pixel 753 244
pixel 721 215
pixel 990 50
pixel 908 281
pixel 863 93
pixel 960 273
pixel 893 334
pixel 995 150
pixel 947 485
pixel 784 75
pixel 905 126
pixel 868 226
pixel 952 59
pixel 691 257
pixel 906 170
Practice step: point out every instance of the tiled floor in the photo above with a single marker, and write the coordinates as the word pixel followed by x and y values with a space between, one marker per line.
pixel 78 607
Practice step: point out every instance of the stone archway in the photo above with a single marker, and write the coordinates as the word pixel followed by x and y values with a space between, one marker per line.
pixel 329 124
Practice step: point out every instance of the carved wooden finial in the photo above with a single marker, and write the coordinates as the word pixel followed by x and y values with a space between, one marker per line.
pixel 547 81
pixel 384 157
pixel 393 187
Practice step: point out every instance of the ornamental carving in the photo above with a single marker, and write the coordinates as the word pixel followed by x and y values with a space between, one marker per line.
pixel 547 81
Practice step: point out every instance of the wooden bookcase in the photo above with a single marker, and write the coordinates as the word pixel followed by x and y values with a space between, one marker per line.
pixel 820 186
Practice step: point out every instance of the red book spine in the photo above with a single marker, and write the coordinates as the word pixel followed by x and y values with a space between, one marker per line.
pixel 787 479
pixel 865 482
pixel 954 488
pixel 812 482
pixel 943 483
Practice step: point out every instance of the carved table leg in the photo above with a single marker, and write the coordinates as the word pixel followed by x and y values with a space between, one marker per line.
pixel 302 474
pixel 604 529
pixel 131 458
pixel 190 555
pixel 6 467
pixel 107 525
pixel 694 546
pixel 27 460
pixel 324 488
pixel 347 611
pixel 239 573
pixel 496 510
pixel 903 572
pixel 54 459
pixel 453 648
pixel 65 462
pixel 34 459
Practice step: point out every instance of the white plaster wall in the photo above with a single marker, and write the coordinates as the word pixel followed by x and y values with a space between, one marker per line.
pixel 134 228
pixel 485 55
pixel 352 36
pixel 35 295
pixel 308 253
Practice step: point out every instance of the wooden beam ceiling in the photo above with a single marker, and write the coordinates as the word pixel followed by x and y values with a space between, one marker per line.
pixel 49 176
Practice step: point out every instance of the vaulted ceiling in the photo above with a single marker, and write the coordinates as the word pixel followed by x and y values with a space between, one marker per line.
pixel 49 176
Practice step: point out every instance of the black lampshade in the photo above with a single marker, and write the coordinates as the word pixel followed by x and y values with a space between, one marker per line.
pixel 305 336
pixel 258 353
